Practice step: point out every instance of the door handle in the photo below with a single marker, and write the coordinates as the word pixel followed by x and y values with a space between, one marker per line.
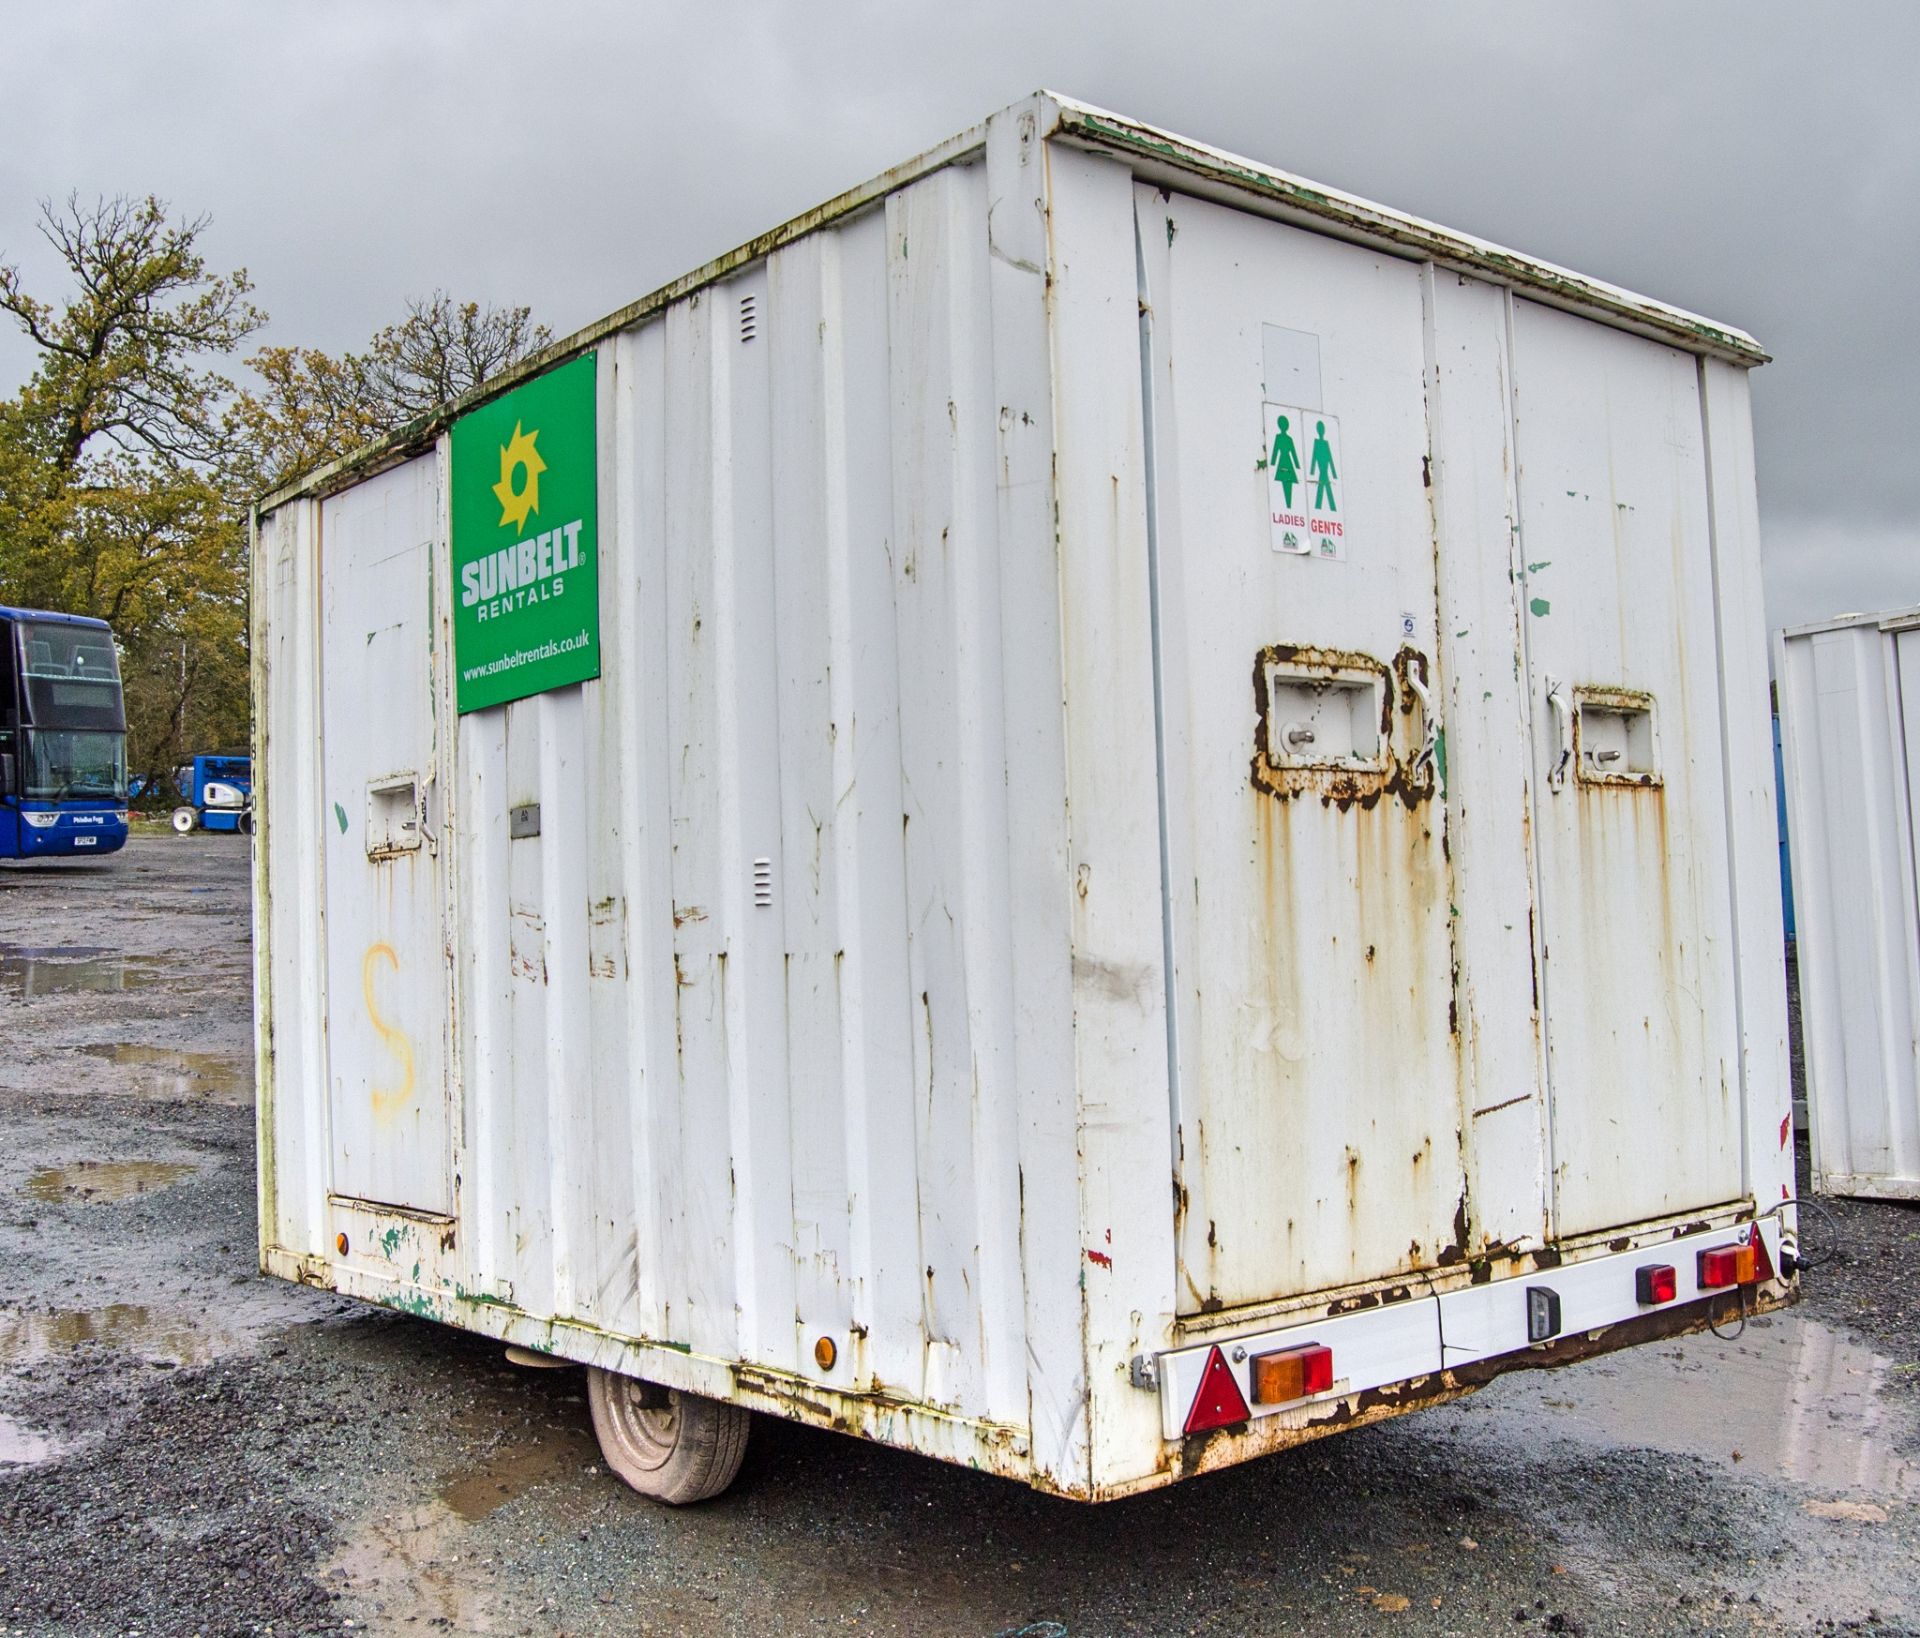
pixel 1563 725
pixel 423 798
pixel 1430 726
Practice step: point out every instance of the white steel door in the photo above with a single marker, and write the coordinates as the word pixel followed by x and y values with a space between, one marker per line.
pixel 386 969
pixel 1316 1098
pixel 1636 923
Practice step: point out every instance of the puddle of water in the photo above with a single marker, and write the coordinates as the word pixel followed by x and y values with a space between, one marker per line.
pixel 495 1480
pixel 408 1567
pixel 175 1335
pixel 1795 1399
pixel 67 969
pixel 102 1182
pixel 167 1072
pixel 22 1446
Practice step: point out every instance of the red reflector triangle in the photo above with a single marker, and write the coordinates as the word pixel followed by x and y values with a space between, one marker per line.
pixel 1762 1263
pixel 1219 1403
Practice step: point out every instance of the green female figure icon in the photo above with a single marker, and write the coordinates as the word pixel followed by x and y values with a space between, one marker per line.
pixel 1285 462
pixel 1320 469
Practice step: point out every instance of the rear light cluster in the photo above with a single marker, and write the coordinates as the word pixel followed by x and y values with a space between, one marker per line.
pixel 1719 1268
pixel 1655 1283
pixel 1282 1376
pixel 1724 1266
pixel 1277 1378
pixel 1292 1373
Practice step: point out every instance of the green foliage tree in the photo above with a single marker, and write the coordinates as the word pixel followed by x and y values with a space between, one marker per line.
pixel 128 460
pixel 308 408
pixel 110 496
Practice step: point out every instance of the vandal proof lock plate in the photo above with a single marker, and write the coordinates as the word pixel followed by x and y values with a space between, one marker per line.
pixel 396 818
pixel 1613 737
pixel 523 820
pixel 1321 710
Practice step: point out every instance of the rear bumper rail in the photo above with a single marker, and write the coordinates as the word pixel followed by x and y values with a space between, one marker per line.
pixel 1427 1334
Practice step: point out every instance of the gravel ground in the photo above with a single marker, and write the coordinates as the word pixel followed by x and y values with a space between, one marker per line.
pixel 188 1448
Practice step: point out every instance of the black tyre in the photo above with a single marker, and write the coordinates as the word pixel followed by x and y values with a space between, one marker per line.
pixel 674 1447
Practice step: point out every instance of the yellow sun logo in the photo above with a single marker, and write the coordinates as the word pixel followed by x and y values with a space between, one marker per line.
pixel 519 452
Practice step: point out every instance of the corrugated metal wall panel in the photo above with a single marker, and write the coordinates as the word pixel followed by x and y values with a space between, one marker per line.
pixel 388 1035
pixel 1125 1233
pixel 1039 914
pixel 954 783
pixel 737 1028
pixel 291 1065
pixel 1635 885
pixel 1750 754
pixel 1850 829
pixel 1489 781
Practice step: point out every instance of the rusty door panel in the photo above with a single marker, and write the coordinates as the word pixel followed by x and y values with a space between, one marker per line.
pixel 1316 1102
pixel 1630 824
pixel 1488 772
pixel 385 964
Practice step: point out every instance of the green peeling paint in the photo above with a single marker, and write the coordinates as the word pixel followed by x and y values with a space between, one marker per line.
pixel 480 1299
pixel 416 1303
pixel 389 1242
pixel 1544 563
pixel 340 813
pixel 1440 760
pixel 1540 606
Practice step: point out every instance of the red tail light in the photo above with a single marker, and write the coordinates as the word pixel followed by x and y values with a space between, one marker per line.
pixel 1292 1373
pixel 1726 1266
pixel 1655 1283
pixel 1219 1402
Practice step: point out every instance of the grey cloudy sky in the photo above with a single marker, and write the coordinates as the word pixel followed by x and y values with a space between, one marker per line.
pixel 1757 162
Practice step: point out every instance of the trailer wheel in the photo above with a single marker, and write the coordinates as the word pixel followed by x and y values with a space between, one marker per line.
pixel 184 820
pixel 675 1447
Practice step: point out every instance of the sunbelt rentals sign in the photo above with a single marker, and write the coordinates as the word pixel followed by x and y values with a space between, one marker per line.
pixel 526 540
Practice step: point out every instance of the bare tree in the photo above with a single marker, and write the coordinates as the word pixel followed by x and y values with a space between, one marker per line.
pixel 312 407
pixel 444 348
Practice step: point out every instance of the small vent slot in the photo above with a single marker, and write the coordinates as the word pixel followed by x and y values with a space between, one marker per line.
pixel 749 319
pixel 763 883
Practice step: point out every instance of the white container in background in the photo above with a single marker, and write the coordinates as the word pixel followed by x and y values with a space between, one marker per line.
pixel 1849 692
pixel 1177 797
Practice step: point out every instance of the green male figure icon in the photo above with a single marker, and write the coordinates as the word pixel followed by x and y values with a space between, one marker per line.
pixel 1285 462
pixel 1320 469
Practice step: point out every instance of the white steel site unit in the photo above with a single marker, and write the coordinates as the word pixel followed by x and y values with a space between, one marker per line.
pixel 1849 694
pixel 1091 812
